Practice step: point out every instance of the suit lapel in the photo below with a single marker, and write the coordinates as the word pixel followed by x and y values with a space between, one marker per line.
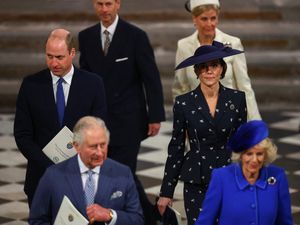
pixel 117 40
pixel 74 180
pixel 222 104
pixel 73 96
pixel 114 48
pixel 96 42
pixel 47 88
pixel 201 104
pixel 104 185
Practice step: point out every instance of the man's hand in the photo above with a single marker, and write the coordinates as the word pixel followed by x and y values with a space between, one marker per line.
pixel 153 129
pixel 96 212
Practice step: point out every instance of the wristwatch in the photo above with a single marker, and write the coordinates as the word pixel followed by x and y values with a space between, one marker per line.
pixel 111 215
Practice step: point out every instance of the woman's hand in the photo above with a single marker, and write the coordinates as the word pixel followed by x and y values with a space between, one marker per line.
pixel 162 204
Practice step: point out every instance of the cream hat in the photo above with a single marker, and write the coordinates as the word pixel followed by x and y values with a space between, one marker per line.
pixel 190 5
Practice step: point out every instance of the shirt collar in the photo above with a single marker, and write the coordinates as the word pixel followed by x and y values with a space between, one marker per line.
pixel 243 183
pixel 67 78
pixel 112 28
pixel 83 168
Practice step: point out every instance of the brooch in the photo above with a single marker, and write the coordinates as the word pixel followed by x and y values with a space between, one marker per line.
pixel 70 217
pixel 271 180
pixel 232 107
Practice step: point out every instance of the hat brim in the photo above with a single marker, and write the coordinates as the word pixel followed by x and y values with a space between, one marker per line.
pixel 198 59
pixel 187 6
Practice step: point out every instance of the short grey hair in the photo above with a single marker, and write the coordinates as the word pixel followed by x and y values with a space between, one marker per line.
pixel 88 123
pixel 266 144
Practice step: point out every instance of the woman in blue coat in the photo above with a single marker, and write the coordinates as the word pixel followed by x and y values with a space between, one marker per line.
pixel 251 191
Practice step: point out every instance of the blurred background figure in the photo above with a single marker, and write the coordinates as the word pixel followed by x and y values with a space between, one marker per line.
pixel 205 15
pixel 250 191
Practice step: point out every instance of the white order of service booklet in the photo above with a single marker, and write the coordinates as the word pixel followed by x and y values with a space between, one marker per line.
pixel 60 147
pixel 69 215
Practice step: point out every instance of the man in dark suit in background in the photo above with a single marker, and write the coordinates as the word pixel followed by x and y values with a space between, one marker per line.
pixel 122 55
pixel 38 119
pixel 114 199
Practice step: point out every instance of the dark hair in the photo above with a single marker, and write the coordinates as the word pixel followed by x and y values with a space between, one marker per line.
pixel 221 61
pixel 224 65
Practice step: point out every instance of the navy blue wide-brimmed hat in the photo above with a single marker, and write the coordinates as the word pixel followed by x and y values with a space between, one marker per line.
pixel 248 135
pixel 206 53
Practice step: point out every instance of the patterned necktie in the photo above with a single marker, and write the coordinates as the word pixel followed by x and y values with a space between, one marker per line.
pixel 60 100
pixel 89 189
pixel 106 42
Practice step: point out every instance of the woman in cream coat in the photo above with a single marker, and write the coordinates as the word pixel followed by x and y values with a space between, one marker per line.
pixel 205 17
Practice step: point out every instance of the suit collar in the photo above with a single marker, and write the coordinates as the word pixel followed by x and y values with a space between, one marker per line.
pixel 114 47
pixel 223 103
pixel 74 95
pixel 67 78
pixel 48 93
pixel 104 183
pixel 116 44
pixel 218 37
pixel 112 28
pixel 201 105
pixel 243 183
pixel 83 168
pixel 73 177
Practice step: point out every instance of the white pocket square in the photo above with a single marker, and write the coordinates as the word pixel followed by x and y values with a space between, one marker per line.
pixel 116 194
pixel 121 59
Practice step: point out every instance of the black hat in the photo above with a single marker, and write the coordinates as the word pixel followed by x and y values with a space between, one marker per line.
pixel 207 53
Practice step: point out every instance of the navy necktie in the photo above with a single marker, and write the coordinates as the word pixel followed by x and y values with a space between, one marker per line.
pixel 60 100
pixel 89 189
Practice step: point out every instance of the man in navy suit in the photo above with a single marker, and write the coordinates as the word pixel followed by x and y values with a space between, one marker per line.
pixel 37 120
pixel 122 55
pixel 114 197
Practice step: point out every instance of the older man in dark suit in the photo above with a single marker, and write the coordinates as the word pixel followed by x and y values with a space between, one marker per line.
pixel 122 55
pixel 107 196
pixel 50 99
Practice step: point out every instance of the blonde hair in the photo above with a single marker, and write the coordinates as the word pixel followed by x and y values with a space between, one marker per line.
pixel 202 8
pixel 266 144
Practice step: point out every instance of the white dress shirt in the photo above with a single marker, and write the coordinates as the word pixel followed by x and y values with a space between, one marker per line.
pixel 111 29
pixel 66 84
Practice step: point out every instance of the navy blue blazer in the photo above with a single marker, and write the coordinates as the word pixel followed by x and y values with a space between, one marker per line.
pixel 234 201
pixel 207 136
pixel 131 79
pixel 36 118
pixel 116 190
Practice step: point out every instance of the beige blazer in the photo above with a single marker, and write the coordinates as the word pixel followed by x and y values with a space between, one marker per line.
pixel 236 76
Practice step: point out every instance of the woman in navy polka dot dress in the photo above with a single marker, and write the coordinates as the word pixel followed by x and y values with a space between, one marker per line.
pixel 207 116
